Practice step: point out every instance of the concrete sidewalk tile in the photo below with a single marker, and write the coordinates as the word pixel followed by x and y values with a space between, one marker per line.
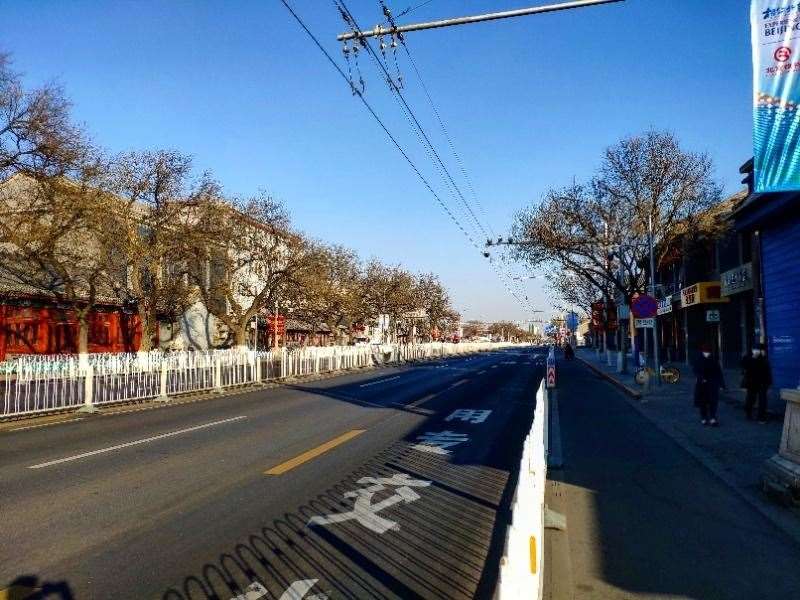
pixel 735 451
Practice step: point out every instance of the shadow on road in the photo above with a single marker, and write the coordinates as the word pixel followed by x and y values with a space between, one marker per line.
pixel 443 539
pixel 29 587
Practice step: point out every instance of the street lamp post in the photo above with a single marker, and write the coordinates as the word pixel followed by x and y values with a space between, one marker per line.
pixel 656 360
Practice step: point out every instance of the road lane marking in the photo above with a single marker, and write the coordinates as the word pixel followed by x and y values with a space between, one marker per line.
pixel 313 453
pixel 423 400
pixel 135 443
pixel 481 372
pixel 493 367
pixel 469 415
pixel 435 442
pixel 458 383
pixel 380 381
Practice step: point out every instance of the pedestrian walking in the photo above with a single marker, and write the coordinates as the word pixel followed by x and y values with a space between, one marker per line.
pixel 756 379
pixel 706 389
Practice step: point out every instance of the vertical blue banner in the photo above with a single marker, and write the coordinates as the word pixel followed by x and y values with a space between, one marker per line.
pixel 775 29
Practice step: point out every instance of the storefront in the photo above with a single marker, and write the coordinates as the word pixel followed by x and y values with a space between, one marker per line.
pixel 773 222
pixel 670 328
pixel 737 285
pixel 702 310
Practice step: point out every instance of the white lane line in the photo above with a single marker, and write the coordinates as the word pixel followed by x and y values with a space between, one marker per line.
pixel 481 372
pixel 422 400
pixel 380 381
pixel 134 443
pixel 458 383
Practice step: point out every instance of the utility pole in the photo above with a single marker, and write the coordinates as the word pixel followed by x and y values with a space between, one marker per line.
pixel 521 12
pixel 657 362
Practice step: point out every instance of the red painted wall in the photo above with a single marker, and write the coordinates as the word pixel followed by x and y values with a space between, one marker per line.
pixel 49 330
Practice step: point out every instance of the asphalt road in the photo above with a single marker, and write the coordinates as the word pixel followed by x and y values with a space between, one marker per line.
pixel 644 518
pixel 389 483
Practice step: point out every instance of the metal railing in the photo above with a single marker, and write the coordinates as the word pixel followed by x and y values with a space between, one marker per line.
pixel 37 384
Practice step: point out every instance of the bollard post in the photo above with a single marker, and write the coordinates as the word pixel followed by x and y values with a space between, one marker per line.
pixel 257 367
pixel 162 395
pixel 88 390
pixel 217 375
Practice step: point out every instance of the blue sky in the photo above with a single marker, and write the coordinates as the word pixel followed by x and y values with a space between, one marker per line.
pixel 529 103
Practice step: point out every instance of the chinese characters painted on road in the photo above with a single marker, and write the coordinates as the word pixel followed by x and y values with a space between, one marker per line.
pixel 365 512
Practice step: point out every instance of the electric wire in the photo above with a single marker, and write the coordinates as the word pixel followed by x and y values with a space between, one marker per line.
pixel 388 133
pixel 424 139
pixel 350 19
pixel 410 9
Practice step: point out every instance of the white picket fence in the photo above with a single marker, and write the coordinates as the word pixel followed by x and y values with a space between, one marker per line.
pixel 521 566
pixel 40 384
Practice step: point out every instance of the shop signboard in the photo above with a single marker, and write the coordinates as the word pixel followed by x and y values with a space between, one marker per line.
pixel 644 323
pixel 611 316
pixel 598 308
pixel 775 37
pixel 665 306
pixel 702 292
pixel 712 316
pixel 737 280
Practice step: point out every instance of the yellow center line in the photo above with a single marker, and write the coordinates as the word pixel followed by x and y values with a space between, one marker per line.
pixel 313 453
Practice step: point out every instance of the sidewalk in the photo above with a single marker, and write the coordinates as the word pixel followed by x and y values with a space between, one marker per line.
pixel 735 451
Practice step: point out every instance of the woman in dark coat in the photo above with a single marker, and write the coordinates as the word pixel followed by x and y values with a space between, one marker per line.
pixel 706 390
pixel 756 379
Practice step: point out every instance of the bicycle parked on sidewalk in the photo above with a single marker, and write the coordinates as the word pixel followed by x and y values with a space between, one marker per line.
pixel 669 374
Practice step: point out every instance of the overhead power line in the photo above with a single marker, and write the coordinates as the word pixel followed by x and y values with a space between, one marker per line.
pixel 449 140
pixel 410 9
pixel 396 91
pixel 429 147
pixel 382 125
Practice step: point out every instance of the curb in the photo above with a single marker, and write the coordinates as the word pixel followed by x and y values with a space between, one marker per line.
pixel 611 379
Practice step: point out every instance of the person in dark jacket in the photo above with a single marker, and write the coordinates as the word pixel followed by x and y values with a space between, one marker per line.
pixel 569 353
pixel 756 379
pixel 706 389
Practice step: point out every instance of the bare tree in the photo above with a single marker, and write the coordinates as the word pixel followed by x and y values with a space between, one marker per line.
pixel 432 297
pixel 48 244
pixel 37 136
pixel 328 289
pixel 599 231
pixel 142 231
pixel 388 290
pixel 244 257
pixel 572 291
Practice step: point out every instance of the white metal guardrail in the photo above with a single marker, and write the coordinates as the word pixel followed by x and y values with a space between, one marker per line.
pixel 521 566
pixel 40 384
